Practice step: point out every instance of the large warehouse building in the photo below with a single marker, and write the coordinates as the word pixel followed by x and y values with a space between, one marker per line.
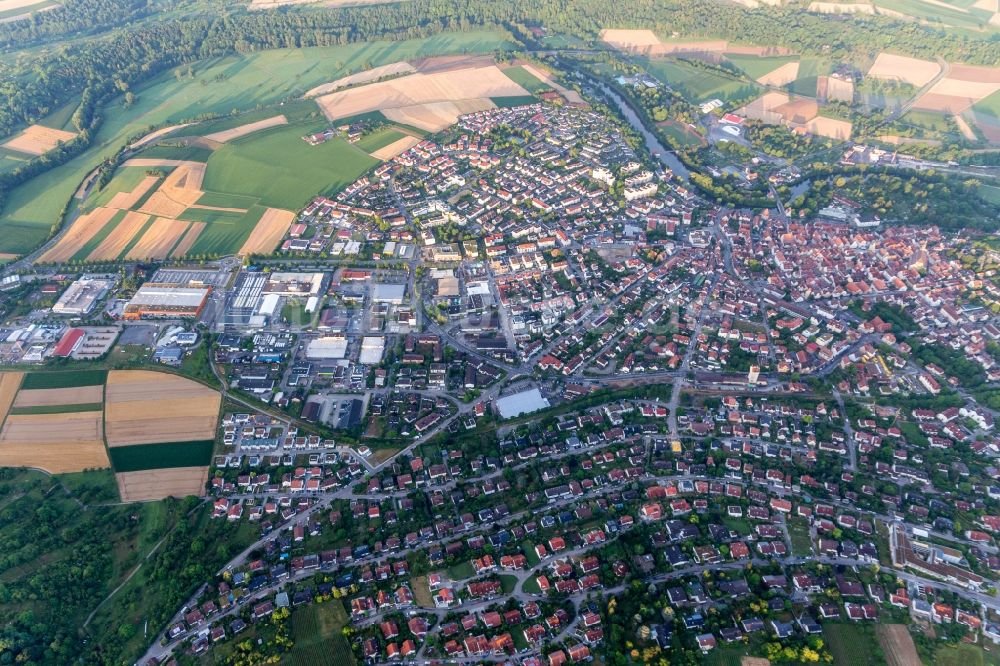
pixel 167 300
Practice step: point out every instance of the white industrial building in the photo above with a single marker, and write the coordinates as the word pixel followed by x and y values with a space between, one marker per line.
pixel 372 348
pixel 331 347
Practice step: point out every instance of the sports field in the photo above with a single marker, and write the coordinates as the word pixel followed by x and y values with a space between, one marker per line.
pixel 281 169
pixel 218 86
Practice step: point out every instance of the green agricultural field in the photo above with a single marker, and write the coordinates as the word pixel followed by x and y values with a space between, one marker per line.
pixel 380 138
pixel 989 106
pixel 218 85
pixel 959 17
pixel 64 379
pixel 125 180
pixel 212 216
pixel 316 631
pixel 281 169
pixel 930 120
pixel 810 69
pixel 699 84
pixel 161 456
pixel 517 100
pixel 757 66
pixel 526 80
pixel 225 235
pixel 59 409
pixel 171 151
pixel 851 644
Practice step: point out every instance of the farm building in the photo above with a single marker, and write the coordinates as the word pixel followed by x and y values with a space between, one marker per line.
pixel 167 300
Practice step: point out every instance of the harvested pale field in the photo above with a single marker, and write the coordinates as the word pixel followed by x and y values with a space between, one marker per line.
pixel 225 210
pixel 55 457
pixel 797 110
pixel 159 239
pixel 79 233
pixel 449 63
pixel 987 5
pixel 436 116
pixel 373 74
pixel 631 40
pixel 36 140
pixel 417 89
pixel 68 427
pixel 146 407
pixel 701 46
pixel 112 245
pixel 781 76
pixel 180 189
pixel 7 256
pixel 153 136
pixel 10 5
pixel 395 148
pixel 152 162
pixel 161 205
pixel 830 88
pixel 188 240
pixel 268 232
pixel 995 19
pixel 916 72
pixel 755 661
pixel 9 383
pixel 830 127
pixel 125 200
pixel 763 107
pixel 896 140
pixel 964 86
pixel 79 395
pixel 571 96
pixel 159 484
pixel 897 645
pixel 841 8
pixel 243 130
pixel 964 128
pixel 761 51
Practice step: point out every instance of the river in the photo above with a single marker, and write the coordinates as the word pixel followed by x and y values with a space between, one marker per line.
pixel 659 151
